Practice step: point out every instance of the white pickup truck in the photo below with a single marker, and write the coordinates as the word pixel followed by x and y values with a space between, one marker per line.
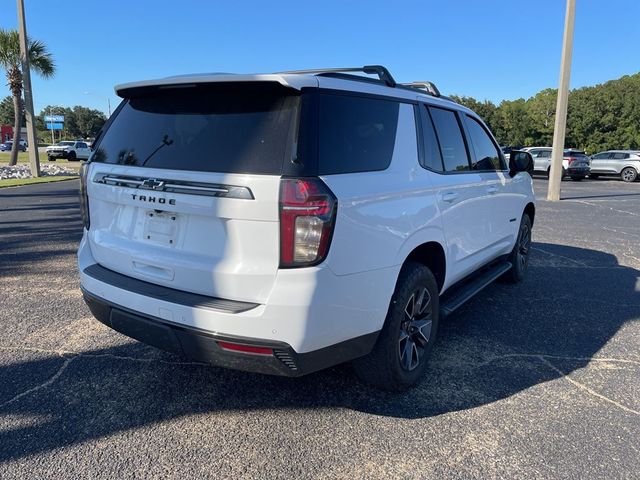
pixel 71 150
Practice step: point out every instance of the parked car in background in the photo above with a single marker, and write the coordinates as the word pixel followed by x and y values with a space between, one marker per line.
pixel 6 146
pixel 71 150
pixel 575 163
pixel 622 163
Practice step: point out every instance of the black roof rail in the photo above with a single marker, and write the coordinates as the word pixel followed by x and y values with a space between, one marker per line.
pixel 425 85
pixel 383 74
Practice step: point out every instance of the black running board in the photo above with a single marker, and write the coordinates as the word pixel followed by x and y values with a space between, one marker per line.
pixel 458 296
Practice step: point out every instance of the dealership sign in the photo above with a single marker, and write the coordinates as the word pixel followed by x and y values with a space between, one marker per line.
pixel 54 118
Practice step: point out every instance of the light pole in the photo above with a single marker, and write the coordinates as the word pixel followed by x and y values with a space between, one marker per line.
pixel 51 124
pixel 104 98
pixel 28 95
pixel 559 131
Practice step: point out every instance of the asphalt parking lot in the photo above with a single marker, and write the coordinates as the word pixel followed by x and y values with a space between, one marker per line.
pixel 538 380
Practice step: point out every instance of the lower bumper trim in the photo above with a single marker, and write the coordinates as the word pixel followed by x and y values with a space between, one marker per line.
pixel 204 346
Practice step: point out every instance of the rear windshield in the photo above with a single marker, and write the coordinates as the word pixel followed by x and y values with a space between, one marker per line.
pixel 235 129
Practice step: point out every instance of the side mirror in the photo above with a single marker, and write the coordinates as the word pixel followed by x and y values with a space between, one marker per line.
pixel 520 162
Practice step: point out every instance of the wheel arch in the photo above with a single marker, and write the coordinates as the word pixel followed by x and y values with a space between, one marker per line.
pixel 530 209
pixel 432 255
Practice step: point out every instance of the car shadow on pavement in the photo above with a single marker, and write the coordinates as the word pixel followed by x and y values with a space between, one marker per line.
pixel 37 226
pixel 506 340
pixel 613 195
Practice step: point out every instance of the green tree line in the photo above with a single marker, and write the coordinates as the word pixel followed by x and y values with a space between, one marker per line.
pixel 601 117
pixel 79 121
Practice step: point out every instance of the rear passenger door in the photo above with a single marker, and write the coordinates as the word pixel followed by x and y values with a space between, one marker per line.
pixel 462 195
pixel 616 162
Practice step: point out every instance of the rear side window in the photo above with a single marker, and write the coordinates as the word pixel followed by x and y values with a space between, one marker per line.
pixel 238 129
pixel 581 156
pixel 545 154
pixel 355 134
pixel 432 156
pixel 454 152
pixel 620 156
pixel 486 152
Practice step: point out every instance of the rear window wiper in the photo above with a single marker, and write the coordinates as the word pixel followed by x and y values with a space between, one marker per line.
pixel 165 142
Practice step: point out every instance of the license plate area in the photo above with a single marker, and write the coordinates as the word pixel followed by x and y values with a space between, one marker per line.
pixel 161 227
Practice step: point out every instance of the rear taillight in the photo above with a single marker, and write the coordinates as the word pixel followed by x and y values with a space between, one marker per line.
pixel 84 199
pixel 307 217
pixel 571 159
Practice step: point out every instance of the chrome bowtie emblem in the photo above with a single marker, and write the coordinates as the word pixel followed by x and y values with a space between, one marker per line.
pixel 152 184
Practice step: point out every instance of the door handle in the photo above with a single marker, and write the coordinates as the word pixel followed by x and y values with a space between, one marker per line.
pixel 449 197
pixel 492 190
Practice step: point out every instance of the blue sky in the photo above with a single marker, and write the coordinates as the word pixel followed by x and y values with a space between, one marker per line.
pixel 491 49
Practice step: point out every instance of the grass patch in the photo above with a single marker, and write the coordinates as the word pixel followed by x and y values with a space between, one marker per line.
pixel 15 182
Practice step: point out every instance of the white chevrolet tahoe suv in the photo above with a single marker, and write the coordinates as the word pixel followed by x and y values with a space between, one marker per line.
pixel 284 223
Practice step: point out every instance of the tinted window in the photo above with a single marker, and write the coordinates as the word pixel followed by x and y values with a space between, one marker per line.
pixel 237 129
pixel 545 154
pixel 356 134
pixel 454 153
pixel 82 145
pixel 432 156
pixel 620 156
pixel 581 156
pixel 601 156
pixel 487 156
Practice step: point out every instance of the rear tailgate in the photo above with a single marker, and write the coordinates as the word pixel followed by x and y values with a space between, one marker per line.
pixel 183 188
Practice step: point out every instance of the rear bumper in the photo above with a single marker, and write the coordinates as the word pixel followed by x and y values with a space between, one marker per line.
pixel 205 347
pixel 578 171
pixel 312 317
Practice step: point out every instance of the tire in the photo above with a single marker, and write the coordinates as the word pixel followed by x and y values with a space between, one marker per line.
pixel 51 159
pixel 72 157
pixel 519 256
pixel 399 358
pixel 577 178
pixel 629 175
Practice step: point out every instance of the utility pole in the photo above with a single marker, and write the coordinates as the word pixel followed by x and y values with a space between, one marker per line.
pixel 28 98
pixel 101 96
pixel 555 176
pixel 53 140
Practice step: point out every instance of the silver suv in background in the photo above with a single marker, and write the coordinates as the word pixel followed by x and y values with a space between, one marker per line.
pixel 575 163
pixel 622 163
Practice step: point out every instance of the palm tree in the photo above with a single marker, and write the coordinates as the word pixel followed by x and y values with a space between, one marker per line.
pixel 11 61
